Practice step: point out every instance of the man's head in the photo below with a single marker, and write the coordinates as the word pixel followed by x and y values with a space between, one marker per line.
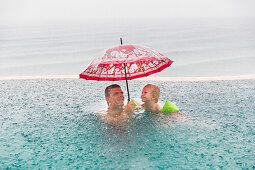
pixel 150 92
pixel 114 96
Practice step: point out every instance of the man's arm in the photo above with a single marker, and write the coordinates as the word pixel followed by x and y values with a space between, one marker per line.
pixel 129 109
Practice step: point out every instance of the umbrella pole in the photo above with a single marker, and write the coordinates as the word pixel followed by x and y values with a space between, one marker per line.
pixel 126 81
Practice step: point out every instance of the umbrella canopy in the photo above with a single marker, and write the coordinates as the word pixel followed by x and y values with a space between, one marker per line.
pixel 125 62
pixel 140 61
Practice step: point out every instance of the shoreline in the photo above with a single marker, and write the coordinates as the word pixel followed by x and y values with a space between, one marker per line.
pixel 149 78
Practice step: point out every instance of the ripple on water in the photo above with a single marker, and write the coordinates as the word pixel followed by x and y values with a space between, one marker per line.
pixel 52 124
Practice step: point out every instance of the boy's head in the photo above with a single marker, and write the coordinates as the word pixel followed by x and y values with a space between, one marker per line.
pixel 150 92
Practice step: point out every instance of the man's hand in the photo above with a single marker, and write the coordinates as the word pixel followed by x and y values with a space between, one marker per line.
pixel 129 109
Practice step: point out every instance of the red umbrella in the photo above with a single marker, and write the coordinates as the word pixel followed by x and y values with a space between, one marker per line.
pixel 125 62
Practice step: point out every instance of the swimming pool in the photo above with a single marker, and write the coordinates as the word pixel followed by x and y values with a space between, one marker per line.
pixel 51 123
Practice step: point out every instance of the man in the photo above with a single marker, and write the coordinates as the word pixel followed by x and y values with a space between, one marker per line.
pixel 116 113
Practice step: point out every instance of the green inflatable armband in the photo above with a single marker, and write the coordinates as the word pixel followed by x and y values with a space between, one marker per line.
pixel 169 107
pixel 134 104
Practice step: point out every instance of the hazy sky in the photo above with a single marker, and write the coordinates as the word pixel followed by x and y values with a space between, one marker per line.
pixel 24 10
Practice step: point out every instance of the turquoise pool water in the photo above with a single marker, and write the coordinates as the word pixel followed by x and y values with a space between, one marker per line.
pixel 52 124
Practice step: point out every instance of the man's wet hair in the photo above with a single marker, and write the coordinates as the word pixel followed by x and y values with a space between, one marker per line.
pixel 155 91
pixel 108 89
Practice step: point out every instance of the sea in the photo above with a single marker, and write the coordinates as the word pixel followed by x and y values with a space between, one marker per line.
pixel 198 47
pixel 52 123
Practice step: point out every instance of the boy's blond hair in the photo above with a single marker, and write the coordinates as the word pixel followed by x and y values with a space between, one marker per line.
pixel 155 91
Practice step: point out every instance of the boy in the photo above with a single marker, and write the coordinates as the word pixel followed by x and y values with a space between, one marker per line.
pixel 150 96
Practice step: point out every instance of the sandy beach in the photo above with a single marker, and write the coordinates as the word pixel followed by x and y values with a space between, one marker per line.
pixel 150 78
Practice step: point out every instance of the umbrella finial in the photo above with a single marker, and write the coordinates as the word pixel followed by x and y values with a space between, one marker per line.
pixel 120 41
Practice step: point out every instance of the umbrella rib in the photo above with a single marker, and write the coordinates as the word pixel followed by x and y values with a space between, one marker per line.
pixel 164 61
pixel 114 71
pixel 100 72
pixel 142 68
pixel 160 61
pixel 139 62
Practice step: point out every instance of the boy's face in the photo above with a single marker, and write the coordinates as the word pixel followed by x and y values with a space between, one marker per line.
pixel 116 98
pixel 147 94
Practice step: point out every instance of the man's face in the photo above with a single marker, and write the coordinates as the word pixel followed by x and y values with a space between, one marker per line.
pixel 147 94
pixel 116 98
